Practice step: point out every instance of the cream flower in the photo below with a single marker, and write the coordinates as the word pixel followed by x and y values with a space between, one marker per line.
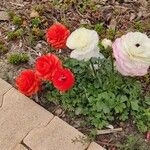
pixel 106 43
pixel 132 53
pixel 84 43
pixel 87 54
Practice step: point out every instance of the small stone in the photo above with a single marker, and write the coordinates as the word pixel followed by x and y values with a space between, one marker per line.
pixel 58 111
pixel 4 16
pixel 34 14
pixel 38 46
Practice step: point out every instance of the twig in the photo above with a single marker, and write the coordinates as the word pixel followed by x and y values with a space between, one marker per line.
pixel 107 131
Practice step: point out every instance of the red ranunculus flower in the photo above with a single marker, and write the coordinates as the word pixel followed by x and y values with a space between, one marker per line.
pixel 28 82
pixel 63 79
pixel 57 36
pixel 46 65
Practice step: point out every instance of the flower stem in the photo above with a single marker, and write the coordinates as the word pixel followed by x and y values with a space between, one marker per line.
pixel 93 69
pixel 112 62
pixel 112 65
pixel 95 73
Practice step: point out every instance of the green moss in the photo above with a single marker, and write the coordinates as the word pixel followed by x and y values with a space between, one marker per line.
pixel 12 35
pixel 18 58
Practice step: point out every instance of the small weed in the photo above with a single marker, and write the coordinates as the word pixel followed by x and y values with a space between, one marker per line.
pixel 39 8
pixel 31 39
pixel 18 58
pixel 17 20
pixel 100 29
pixel 13 35
pixel 37 32
pixel 138 26
pixel 3 48
pixel 87 26
pixel 36 22
pixel 111 33
pixel 11 14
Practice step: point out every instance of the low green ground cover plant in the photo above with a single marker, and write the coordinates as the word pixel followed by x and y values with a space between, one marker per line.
pixel 105 100
pixel 18 58
pixel 3 48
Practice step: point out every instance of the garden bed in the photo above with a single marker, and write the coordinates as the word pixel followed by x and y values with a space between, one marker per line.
pixel 22 40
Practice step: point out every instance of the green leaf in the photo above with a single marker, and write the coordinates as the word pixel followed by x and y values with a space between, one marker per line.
pixel 134 105
pixel 147 100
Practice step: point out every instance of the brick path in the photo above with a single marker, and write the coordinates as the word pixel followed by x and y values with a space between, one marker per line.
pixel 24 125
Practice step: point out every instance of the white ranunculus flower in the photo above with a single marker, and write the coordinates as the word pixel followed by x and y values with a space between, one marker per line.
pixel 87 54
pixel 106 43
pixel 84 43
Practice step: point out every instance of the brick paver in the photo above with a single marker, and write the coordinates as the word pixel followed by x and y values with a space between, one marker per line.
pixel 95 146
pixel 23 121
pixel 20 147
pixel 57 135
pixel 4 87
pixel 18 116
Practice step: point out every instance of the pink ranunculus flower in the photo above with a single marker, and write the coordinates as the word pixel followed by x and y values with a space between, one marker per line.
pixel 132 54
